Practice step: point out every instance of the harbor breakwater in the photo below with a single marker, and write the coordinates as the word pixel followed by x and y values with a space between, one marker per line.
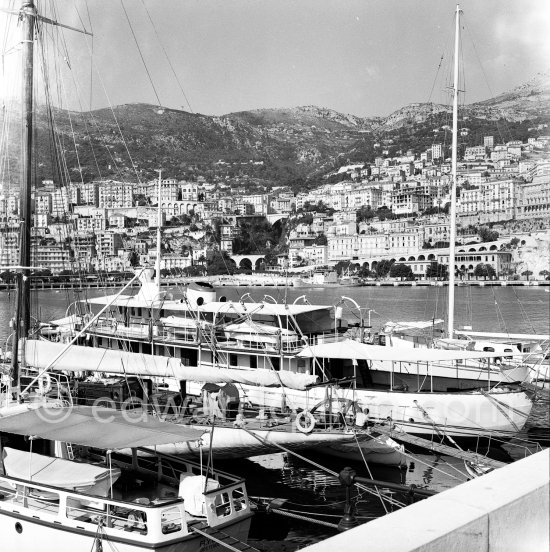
pixel 272 280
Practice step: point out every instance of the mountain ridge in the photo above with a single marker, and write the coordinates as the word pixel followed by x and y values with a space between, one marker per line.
pixel 286 145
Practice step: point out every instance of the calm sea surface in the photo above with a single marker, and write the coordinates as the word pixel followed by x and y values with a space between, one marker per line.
pixel 308 489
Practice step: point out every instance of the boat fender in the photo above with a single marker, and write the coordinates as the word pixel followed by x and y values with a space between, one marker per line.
pixel 44 384
pixel 305 422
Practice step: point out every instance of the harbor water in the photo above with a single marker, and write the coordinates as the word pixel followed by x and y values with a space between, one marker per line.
pixel 308 490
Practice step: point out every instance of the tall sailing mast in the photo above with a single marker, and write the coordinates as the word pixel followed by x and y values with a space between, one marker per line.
pixel 159 222
pixel 22 319
pixel 454 152
pixel 28 16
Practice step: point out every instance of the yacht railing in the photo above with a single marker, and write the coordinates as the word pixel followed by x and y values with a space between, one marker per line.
pixel 225 503
pixel 151 523
pixel 182 335
pixel 156 521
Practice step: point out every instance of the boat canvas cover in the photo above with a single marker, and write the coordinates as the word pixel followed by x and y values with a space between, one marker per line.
pixel 98 427
pixel 412 325
pixel 221 307
pixel 56 472
pixel 251 327
pixel 76 358
pixel 349 349
pixel 505 336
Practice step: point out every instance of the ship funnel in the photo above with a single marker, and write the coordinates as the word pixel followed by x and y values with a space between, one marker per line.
pixel 149 291
pixel 199 293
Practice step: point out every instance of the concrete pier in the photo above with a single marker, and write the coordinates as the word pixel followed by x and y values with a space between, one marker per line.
pixel 506 510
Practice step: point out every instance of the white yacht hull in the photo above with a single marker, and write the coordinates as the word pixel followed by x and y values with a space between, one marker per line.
pixel 382 450
pixel 465 414
pixel 46 533
pixel 230 442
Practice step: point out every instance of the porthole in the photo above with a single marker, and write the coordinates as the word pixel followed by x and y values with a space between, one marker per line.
pixel 18 527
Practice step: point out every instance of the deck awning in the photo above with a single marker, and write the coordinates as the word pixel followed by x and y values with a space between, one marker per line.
pixel 349 349
pixel 505 337
pixel 412 325
pixel 76 358
pixel 221 307
pixel 99 427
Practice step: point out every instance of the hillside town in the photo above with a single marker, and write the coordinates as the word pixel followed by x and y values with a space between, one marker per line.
pixel 394 209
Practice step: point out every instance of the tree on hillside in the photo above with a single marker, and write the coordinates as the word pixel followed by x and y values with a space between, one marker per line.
pixel 383 268
pixel 318 207
pixel 193 270
pixel 484 271
pixel 342 267
pixel 527 273
pixel 321 239
pixel 7 276
pixel 133 258
pixel 364 213
pixel 270 259
pixel 364 272
pixel 220 263
pixel 545 274
pixel 402 271
pixel 487 235
pixel 384 213
pixel 437 210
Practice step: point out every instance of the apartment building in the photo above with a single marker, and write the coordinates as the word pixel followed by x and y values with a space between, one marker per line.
pixel 534 198
pixel 42 220
pixel 108 243
pixel 466 263
pixel 228 232
pixel 117 220
pixel 94 224
pixel 9 246
pixel 115 195
pixel 56 257
pixel 260 203
pixel 409 200
pixel 60 202
pixel 474 152
pixel 404 243
pixel 490 197
pixel 434 232
pixel 43 203
pixel 311 254
pixel 437 151
pixel 372 245
pixel 342 247
pixel 282 204
pixel 84 249
pixel 89 194
pixel 489 141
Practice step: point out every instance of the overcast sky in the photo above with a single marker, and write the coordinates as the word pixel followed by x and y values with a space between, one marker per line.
pixel 365 57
